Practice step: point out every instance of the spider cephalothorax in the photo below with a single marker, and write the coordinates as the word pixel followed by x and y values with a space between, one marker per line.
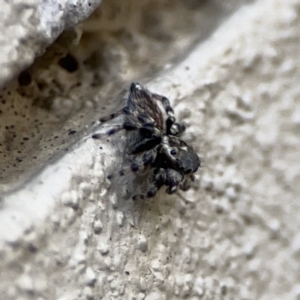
pixel 153 145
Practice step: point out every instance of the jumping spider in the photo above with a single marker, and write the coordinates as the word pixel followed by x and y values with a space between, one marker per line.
pixel 153 145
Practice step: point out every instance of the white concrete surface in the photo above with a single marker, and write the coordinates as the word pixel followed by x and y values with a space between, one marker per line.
pixel 67 235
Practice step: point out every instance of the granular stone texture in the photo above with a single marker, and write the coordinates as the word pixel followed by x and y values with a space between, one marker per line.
pixel 28 27
pixel 68 234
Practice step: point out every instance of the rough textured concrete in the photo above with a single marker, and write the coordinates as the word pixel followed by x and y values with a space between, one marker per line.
pixel 67 234
pixel 28 27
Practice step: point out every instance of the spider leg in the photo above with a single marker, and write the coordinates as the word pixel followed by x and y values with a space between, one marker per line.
pixel 112 116
pixel 176 129
pixel 166 147
pixel 146 123
pixel 109 132
pixel 141 118
pixel 166 104
pixel 168 108
pixel 131 123
pixel 156 180
pixel 185 184
pixel 173 180
pixel 141 162
pixel 173 127
pixel 146 144
pixel 150 135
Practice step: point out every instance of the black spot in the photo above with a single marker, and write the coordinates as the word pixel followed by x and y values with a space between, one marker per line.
pixel 69 63
pixel 150 194
pixel 25 138
pixel 126 110
pixel 24 78
pixel 147 131
pixel 173 152
pixel 71 132
pixel 133 87
pixel 188 171
pixel 127 273
pixel 109 177
pixel 111 132
pixel 134 167
pixel 32 248
pixel 129 126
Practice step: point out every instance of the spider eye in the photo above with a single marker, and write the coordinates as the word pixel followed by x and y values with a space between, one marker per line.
pixel 173 152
